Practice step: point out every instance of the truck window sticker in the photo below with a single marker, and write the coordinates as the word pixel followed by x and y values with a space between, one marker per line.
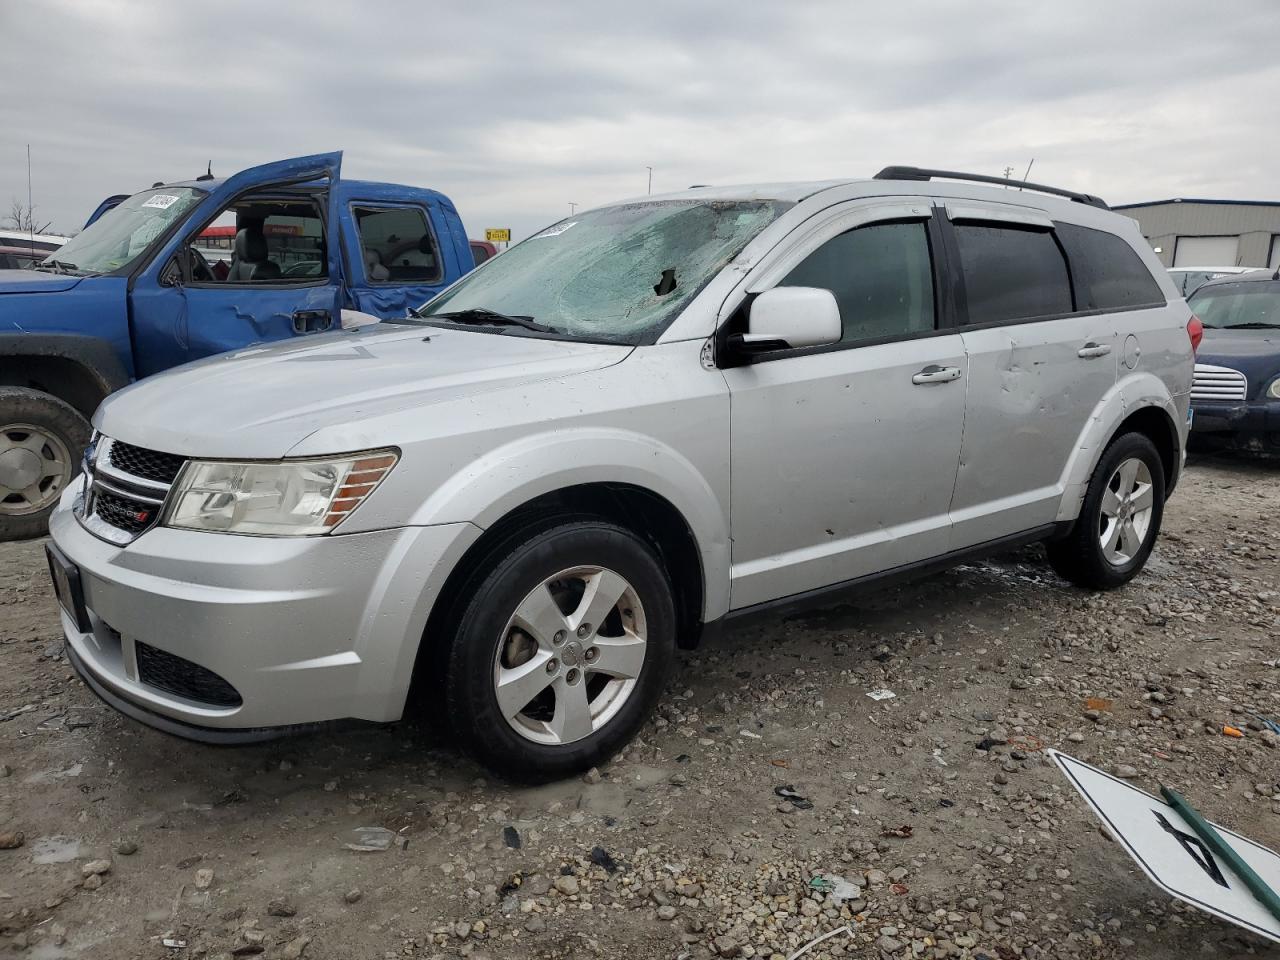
pixel 162 201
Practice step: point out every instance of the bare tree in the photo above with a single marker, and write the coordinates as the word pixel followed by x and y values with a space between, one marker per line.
pixel 23 218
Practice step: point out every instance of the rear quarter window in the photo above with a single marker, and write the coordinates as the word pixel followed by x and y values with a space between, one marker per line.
pixel 1108 273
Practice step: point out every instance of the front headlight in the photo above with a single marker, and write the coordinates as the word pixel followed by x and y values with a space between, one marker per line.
pixel 1273 391
pixel 275 498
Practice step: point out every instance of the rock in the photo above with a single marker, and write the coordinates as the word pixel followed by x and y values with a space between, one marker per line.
pixel 204 878
pixel 5 771
pixel 295 947
pixel 92 882
pixel 353 896
pixel 126 848
pixel 1020 684
pixel 95 868
pixel 1076 737
pixel 809 908
pixel 720 851
pixel 592 776
pixel 535 925
pixel 727 946
pixel 888 944
pixel 667 912
pixel 12 840
pixel 281 907
pixel 462 929
pixel 1125 772
pixel 567 885
pixel 370 839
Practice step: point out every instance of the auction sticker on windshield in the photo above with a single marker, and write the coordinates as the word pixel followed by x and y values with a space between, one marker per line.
pixel 555 231
pixel 162 201
pixel 1171 854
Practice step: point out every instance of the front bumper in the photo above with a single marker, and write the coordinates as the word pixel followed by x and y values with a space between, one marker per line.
pixel 1256 419
pixel 304 629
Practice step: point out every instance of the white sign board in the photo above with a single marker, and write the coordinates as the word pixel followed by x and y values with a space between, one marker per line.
pixel 1171 855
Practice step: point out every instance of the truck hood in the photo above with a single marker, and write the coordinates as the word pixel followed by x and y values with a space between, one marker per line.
pixel 35 281
pixel 262 401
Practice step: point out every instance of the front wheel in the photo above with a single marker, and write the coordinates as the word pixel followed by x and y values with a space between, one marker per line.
pixel 1119 518
pixel 562 649
pixel 41 440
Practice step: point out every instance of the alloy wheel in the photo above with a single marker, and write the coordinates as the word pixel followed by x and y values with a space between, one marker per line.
pixel 570 655
pixel 1127 504
pixel 35 466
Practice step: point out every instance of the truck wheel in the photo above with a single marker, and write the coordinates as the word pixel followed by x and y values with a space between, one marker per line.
pixel 41 442
pixel 1119 518
pixel 562 649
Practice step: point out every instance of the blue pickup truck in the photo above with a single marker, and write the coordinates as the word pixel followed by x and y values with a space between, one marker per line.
pixel 136 292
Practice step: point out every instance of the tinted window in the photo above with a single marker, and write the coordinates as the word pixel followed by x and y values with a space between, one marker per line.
pixel 1012 273
pixel 881 278
pixel 1109 275
pixel 396 244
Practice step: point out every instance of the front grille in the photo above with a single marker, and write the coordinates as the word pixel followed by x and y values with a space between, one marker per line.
pixel 173 674
pixel 148 464
pixel 1218 383
pixel 122 512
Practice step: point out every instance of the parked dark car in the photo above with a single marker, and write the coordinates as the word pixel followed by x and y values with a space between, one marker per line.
pixel 1236 396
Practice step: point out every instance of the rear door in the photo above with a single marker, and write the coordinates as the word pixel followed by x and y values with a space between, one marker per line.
pixel 181 311
pixel 396 260
pixel 1039 363
pixel 844 456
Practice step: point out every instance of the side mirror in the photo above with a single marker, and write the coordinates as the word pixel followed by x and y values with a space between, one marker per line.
pixel 792 317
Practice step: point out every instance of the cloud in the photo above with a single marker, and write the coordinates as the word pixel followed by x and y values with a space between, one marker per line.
pixel 515 110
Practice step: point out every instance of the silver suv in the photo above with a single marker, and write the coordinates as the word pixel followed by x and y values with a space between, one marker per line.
pixel 635 424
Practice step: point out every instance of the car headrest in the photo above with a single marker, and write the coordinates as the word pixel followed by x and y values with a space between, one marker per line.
pixel 251 245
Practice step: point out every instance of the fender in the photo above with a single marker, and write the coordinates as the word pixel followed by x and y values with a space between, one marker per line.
pixel 1130 394
pixel 493 485
pixel 96 356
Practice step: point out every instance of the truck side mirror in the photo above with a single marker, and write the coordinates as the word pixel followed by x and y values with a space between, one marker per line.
pixel 790 317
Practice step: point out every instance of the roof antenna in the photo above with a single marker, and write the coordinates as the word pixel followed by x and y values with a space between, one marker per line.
pixel 208 175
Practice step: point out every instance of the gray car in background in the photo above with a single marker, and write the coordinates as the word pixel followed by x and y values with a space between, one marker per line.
pixel 636 424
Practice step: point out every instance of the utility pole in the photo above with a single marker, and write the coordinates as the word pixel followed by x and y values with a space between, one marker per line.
pixel 1008 172
pixel 650 169
pixel 571 207
pixel 31 223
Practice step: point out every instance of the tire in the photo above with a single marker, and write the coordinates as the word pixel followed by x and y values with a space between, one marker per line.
pixel 550 573
pixel 42 440
pixel 1082 557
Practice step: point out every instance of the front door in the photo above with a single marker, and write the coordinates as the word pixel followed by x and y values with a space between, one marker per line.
pixel 282 279
pixel 844 457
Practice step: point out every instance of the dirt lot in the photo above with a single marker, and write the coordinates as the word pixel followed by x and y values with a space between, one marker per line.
pixel 682 848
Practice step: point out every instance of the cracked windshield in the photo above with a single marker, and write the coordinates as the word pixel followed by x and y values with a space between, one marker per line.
pixel 618 274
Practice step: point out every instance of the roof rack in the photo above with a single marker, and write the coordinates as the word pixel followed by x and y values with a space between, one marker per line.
pixel 922 173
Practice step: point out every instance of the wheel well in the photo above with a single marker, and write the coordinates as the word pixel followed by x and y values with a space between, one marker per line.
pixel 646 514
pixel 66 379
pixel 1155 424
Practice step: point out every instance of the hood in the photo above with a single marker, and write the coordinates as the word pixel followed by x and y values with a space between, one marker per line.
pixel 261 402
pixel 1238 343
pixel 35 281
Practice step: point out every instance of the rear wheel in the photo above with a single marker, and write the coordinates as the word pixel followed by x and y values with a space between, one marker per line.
pixel 41 441
pixel 561 651
pixel 1119 518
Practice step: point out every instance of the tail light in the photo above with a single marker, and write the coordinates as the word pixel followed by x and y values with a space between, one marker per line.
pixel 1195 330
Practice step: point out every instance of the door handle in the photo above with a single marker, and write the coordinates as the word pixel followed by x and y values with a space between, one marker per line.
pixel 312 321
pixel 936 374
pixel 1091 350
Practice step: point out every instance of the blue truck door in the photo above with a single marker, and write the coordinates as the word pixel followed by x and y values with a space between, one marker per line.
pixel 285 276
pixel 400 253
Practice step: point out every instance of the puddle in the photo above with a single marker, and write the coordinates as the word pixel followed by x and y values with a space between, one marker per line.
pixel 53 776
pixel 56 849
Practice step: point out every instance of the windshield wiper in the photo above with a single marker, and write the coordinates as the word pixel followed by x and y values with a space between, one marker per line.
pixel 488 318
pixel 1251 326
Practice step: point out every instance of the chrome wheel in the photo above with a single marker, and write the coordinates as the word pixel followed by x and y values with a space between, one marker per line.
pixel 569 657
pixel 35 466
pixel 1127 504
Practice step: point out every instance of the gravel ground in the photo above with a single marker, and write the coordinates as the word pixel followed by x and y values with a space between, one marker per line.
pixel 767 779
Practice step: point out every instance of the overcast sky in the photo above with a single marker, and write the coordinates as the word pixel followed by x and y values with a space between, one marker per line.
pixel 516 109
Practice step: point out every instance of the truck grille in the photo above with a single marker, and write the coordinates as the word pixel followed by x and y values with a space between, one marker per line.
pixel 126 488
pixel 173 674
pixel 1218 383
